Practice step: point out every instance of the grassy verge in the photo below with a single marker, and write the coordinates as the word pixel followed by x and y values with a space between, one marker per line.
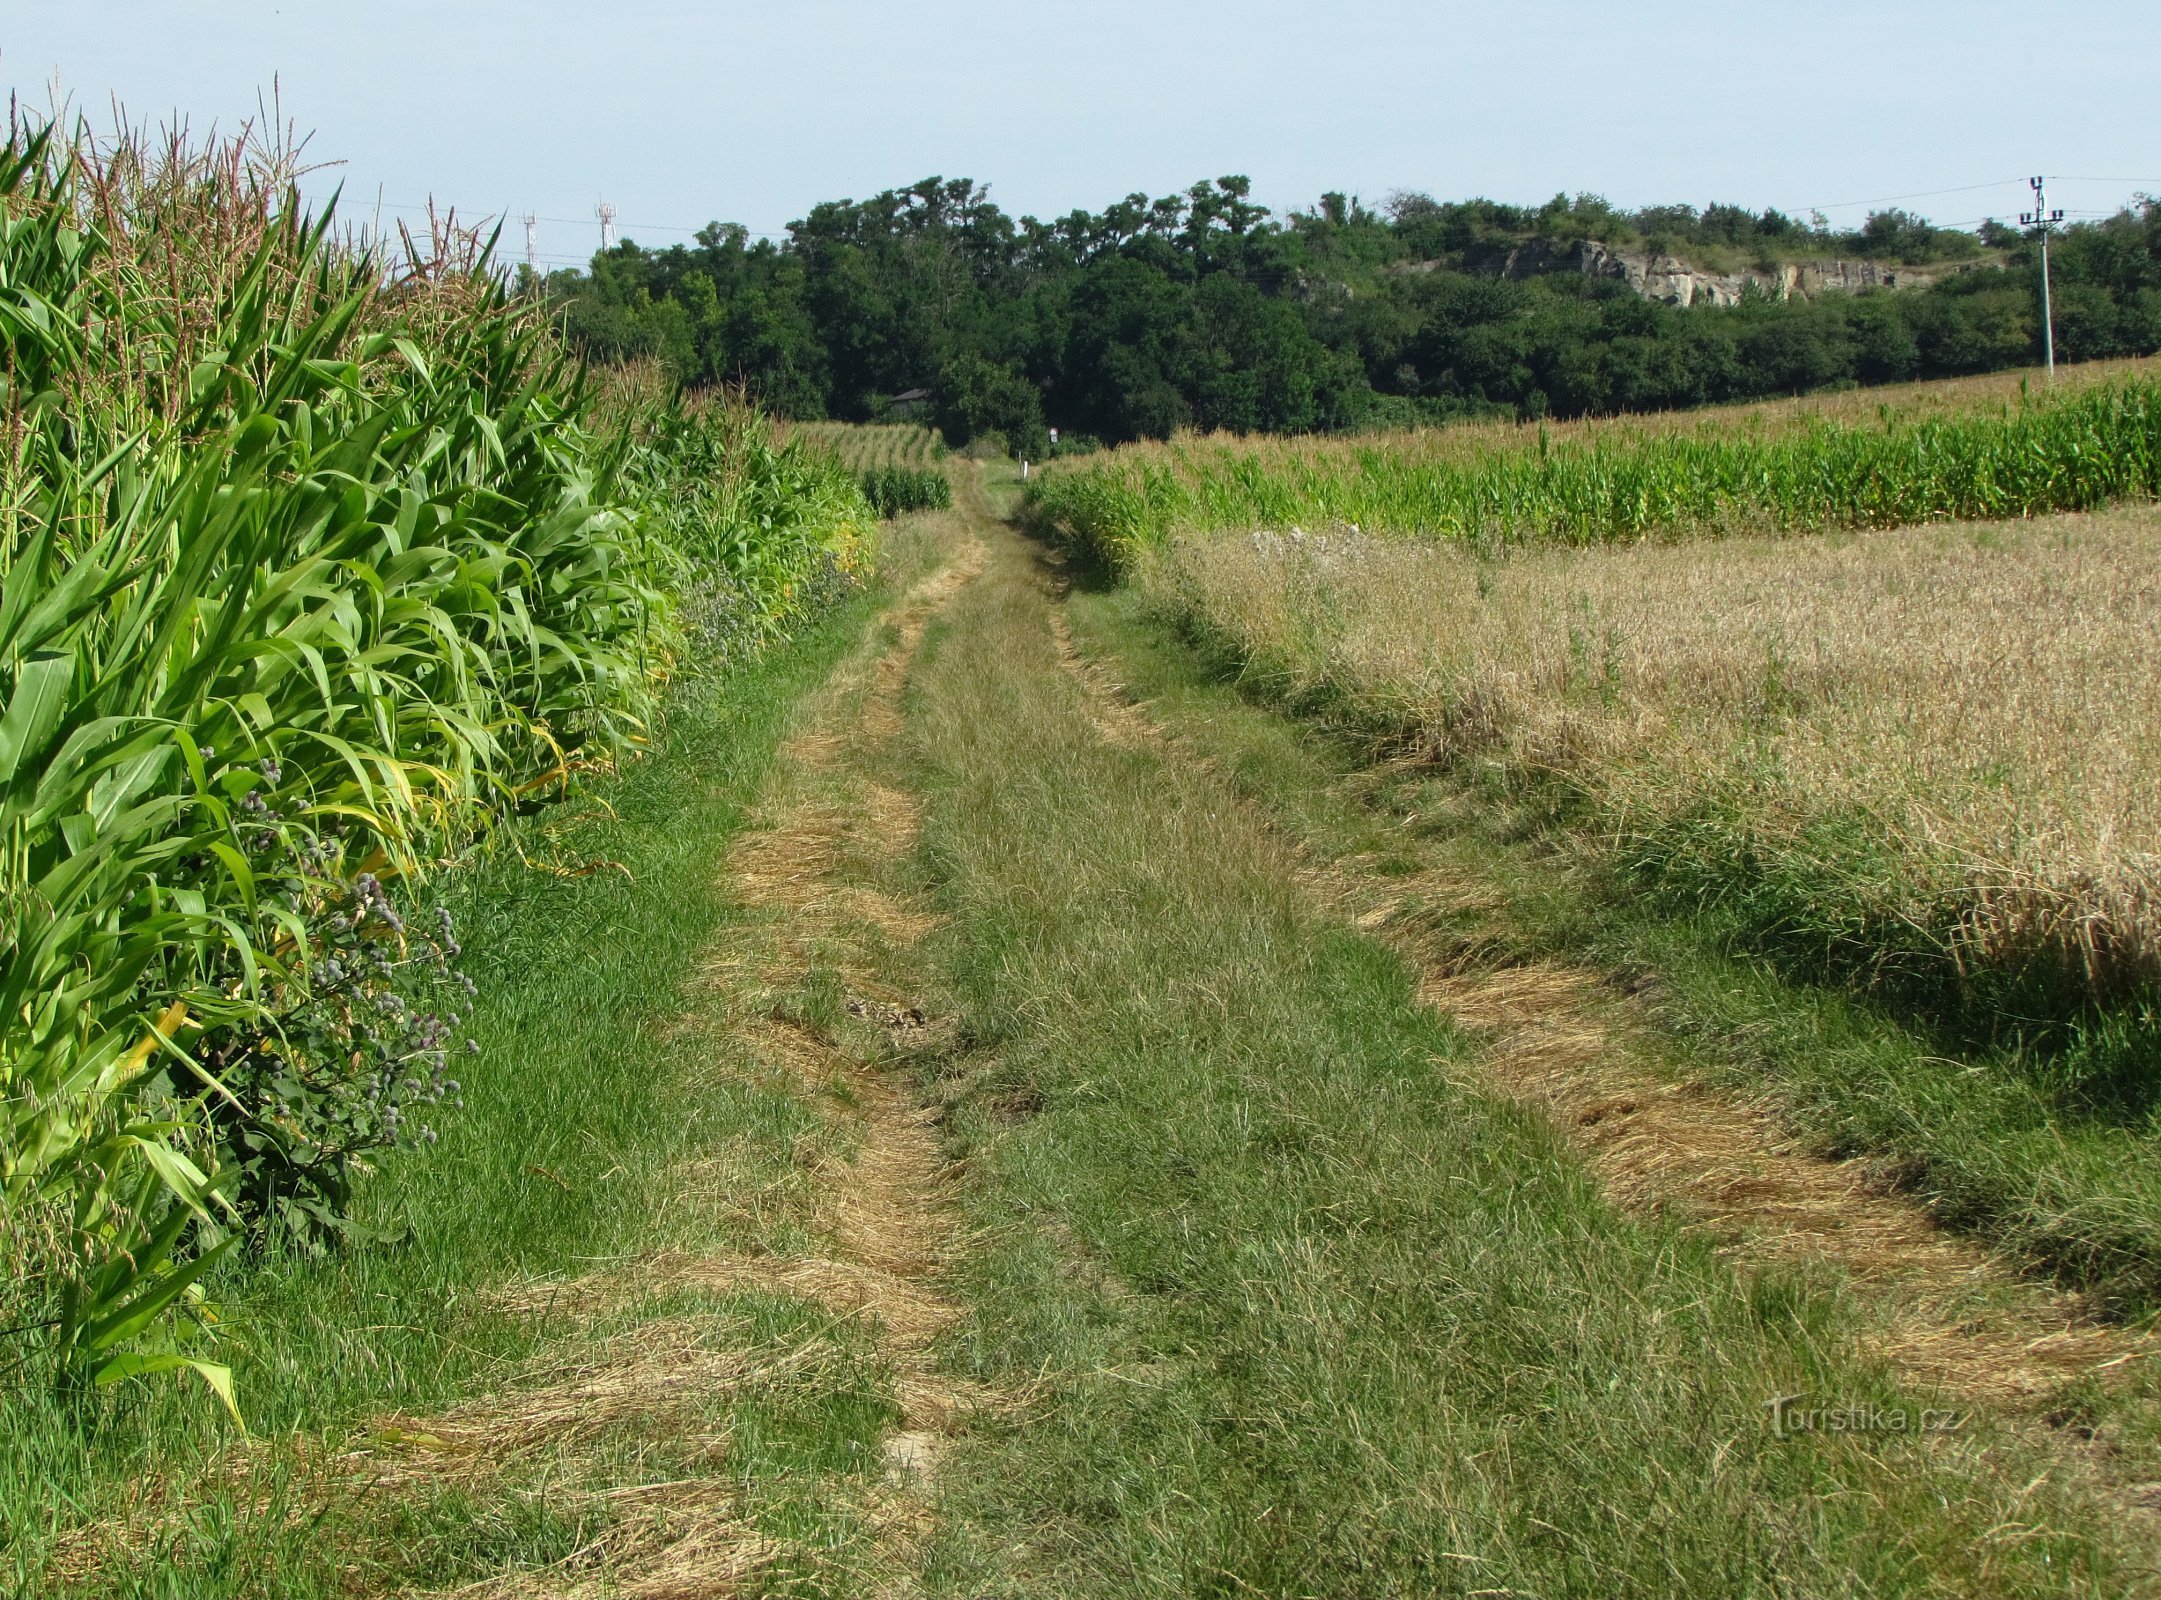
pixel 578 1117
pixel 1992 1140
pixel 1304 1311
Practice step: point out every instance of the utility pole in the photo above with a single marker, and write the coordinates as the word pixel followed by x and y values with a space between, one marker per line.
pixel 2043 220
pixel 532 244
pixel 606 212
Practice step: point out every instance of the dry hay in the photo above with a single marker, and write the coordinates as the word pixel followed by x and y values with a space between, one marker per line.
pixel 1986 696
pixel 679 1540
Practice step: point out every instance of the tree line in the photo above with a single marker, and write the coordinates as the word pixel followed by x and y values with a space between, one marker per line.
pixel 1206 310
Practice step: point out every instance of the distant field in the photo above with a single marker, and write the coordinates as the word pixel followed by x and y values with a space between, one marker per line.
pixel 1983 447
pixel 862 446
pixel 897 465
pixel 1927 752
pixel 1872 697
pixel 1924 755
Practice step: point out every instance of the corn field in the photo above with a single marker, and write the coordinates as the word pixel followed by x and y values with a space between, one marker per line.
pixel 2077 451
pixel 313 568
pixel 896 465
pixel 863 446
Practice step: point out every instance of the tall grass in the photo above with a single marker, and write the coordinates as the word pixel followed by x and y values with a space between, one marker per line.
pixel 1916 760
pixel 312 568
pixel 2073 452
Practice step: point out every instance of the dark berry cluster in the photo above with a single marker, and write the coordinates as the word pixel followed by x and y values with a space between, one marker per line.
pixel 352 1051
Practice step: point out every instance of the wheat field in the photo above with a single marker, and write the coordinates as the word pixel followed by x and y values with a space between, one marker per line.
pixel 1951 732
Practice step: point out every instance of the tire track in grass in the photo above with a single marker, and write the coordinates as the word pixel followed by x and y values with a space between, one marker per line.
pixel 885 1208
pixel 1377 1333
pixel 862 1232
pixel 1949 1314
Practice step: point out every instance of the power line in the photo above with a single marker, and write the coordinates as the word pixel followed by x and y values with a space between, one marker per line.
pixel 1925 194
pixel 1969 188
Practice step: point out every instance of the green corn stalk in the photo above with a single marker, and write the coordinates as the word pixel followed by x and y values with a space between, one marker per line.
pixel 2077 453
pixel 384 558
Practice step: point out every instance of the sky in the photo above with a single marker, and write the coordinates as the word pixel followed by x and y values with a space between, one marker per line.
pixel 681 113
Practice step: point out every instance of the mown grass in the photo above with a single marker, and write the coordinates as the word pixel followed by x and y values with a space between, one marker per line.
pixel 1974 1138
pixel 582 940
pixel 1300 1309
pixel 1906 766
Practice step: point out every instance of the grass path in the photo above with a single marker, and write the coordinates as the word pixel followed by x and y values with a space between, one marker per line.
pixel 806 995
pixel 1562 1037
pixel 1302 1303
pixel 1069 1148
pixel 746 1400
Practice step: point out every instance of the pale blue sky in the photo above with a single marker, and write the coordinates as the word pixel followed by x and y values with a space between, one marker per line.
pixel 680 113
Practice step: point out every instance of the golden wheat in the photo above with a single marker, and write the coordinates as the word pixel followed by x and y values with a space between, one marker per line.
pixel 1984 701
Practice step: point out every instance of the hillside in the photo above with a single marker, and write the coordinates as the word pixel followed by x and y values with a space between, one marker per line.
pixel 1204 310
pixel 1706 277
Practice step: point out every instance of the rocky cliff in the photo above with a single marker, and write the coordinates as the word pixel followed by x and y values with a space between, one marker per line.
pixel 1662 277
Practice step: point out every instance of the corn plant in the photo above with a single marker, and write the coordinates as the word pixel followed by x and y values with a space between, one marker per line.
pixel 762 531
pixel 308 556
pixel 2096 446
pixel 896 490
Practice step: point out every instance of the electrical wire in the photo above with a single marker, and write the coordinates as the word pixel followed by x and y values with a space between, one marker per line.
pixel 1925 194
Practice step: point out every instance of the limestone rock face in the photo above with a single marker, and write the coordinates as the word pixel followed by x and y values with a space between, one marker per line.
pixel 1662 277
